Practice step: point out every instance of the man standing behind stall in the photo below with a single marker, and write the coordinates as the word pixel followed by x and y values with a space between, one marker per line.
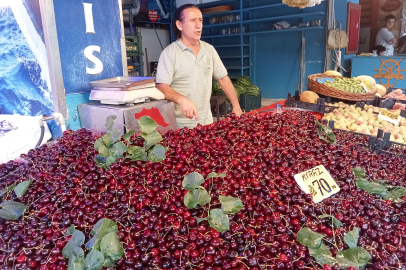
pixel 385 37
pixel 186 69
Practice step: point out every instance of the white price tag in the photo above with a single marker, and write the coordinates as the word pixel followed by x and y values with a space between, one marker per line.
pixel 317 182
pixel 390 117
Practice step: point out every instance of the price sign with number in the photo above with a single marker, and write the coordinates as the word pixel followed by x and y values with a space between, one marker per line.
pixel 317 182
pixel 390 117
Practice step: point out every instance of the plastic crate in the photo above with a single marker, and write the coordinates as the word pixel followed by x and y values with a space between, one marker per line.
pixel 137 71
pixel 128 4
pixel 249 103
pixel 133 45
pixel 134 59
pixel 319 107
pixel 129 31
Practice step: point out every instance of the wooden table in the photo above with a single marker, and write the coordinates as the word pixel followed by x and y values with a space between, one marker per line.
pixel 217 101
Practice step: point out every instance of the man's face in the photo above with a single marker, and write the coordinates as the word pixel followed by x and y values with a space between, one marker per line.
pixel 192 24
pixel 389 23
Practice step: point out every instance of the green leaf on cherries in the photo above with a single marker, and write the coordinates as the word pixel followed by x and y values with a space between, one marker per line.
pixel 110 121
pixel 157 153
pixel 111 247
pixel 230 205
pixel 198 220
pixel 94 260
pixel 359 172
pixel 76 259
pixel 100 147
pixel 101 229
pixel 22 188
pixel 137 153
pixel 309 238
pixel 111 159
pixel 112 136
pixel 7 189
pixel 213 174
pixel 77 240
pixel 351 238
pixel 109 262
pixel 100 161
pixel 195 197
pixel 119 148
pixel 325 133
pixel 355 257
pixel 12 210
pixel 219 220
pixel 343 262
pixel 128 135
pixel 151 138
pixel 147 124
pixel 70 230
pixel 371 187
pixel 322 255
pixel 192 181
pixel 336 222
pixel 395 194
pixel 189 200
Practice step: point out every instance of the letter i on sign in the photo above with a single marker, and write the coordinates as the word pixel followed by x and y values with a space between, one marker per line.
pixel 89 18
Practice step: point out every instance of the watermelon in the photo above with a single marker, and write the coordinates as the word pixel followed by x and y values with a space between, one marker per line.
pixel 252 90
pixel 244 81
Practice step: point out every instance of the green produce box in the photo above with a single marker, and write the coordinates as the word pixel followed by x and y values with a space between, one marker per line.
pixel 249 103
pixel 133 45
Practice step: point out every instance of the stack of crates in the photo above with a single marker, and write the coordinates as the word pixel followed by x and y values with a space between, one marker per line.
pixel 134 55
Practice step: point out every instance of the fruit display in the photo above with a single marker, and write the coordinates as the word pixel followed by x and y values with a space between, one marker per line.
pixel 381 90
pixel 142 203
pixel 397 94
pixel 348 117
pixel 309 96
pixel 333 73
pixel 348 85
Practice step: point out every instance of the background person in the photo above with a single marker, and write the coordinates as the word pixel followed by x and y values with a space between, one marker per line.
pixel 385 37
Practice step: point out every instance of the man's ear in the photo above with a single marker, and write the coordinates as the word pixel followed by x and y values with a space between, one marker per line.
pixel 179 25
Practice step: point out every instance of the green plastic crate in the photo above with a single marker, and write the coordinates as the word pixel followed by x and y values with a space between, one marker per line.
pixel 133 45
pixel 249 103
pixel 137 71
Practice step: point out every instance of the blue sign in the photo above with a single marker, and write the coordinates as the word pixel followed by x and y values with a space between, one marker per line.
pixel 89 33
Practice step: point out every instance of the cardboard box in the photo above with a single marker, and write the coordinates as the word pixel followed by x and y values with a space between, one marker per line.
pixel 93 115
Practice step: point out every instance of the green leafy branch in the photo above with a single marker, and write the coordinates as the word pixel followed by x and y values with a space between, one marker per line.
pixel 354 256
pixel 198 195
pixel 105 247
pixel 14 210
pixel 380 187
pixel 111 148
pixel 325 133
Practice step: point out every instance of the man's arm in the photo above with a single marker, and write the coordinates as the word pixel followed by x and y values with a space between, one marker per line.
pixel 187 107
pixel 229 90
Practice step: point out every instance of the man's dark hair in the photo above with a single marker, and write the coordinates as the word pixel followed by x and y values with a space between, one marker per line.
pixel 179 17
pixel 379 49
pixel 390 17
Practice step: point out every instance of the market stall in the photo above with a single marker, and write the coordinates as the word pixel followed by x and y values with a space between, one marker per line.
pixel 316 181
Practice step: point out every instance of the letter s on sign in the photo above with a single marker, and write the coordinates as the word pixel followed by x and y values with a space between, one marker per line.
pixel 98 65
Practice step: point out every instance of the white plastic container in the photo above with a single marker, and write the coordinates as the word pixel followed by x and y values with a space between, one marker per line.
pixel 184 2
pixel 23 136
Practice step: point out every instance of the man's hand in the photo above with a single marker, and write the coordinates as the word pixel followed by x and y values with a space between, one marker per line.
pixel 237 111
pixel 188 108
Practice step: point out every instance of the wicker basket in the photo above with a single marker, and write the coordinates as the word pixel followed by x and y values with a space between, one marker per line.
pixel 325 90
pixel 217 9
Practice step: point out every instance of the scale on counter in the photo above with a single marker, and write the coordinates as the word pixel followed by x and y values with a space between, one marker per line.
pixel 125 90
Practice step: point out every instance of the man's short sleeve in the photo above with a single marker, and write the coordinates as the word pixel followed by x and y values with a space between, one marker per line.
pixel 386 35
pixel 165 70
pixel 219 70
